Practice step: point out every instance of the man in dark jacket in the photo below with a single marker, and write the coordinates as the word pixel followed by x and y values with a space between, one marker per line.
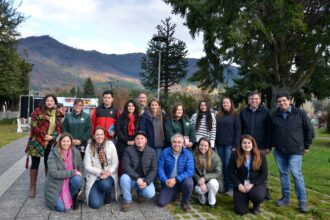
pixel 139 171
pixel 292 135
pixel 256 121
pixel 175 171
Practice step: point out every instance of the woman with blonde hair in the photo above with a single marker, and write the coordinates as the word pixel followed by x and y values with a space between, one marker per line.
pixel 248 171
pixel 153 124
pixel 64 181
pixel 101 167
pixel 208 173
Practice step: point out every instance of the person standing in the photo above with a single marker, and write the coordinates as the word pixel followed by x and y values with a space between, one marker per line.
pixel 142 102
pixel 153 124
pixel 228 132
pixel 179 123
pixel 208 173
pixel 139 171
pixel 248 171
pixel 101 165
pixel 175 171
pixel 256 121
pixel 65 181
pixel 204 122
pixel 292 135
pixel 79 125
pixel 106 115
pixel 45 127
pixel 126 127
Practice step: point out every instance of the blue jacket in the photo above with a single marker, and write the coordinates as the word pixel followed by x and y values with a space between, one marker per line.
pixel 185 167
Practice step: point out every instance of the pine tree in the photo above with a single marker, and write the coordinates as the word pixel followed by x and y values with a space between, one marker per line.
pixel 173 59
pixel 89 90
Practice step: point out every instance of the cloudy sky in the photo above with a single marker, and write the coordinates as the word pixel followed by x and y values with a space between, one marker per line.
pixel 108 26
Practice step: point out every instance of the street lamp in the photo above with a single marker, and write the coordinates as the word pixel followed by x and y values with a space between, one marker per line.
pixel 159 38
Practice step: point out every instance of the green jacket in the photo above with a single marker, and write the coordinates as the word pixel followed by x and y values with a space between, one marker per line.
pixel 56 174
pixel 79 126
pixel 173 126
pixel 215 173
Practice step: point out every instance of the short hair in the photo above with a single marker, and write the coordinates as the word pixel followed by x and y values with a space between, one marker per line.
pixel 282 94
pixel 254 92
pixel 140 93
pixel 108 92
pixel 76 101
pixel 60 105
pixel 177 135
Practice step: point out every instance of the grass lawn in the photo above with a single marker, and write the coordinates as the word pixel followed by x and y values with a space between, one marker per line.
pixel 8 132
pixel 316 171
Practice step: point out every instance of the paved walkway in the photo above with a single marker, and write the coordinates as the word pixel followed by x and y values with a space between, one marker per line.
pixel 15 203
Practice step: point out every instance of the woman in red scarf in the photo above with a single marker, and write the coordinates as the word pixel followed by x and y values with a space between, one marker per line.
pixel 126 126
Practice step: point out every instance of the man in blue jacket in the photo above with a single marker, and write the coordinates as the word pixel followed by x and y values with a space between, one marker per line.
pixel 175 171
pixel 292 135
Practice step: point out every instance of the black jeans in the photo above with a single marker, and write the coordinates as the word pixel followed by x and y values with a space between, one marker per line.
pixel 241 200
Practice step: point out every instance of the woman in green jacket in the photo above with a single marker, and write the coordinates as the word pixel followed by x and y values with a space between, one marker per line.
pixel 179 123
pixel 208 172
pixel 79 124
pixel 64 179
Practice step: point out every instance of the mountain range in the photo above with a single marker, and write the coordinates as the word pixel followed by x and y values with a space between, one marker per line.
pixel 58 66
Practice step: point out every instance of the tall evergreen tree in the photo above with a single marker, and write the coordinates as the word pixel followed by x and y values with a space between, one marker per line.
pixel 173 59
pixel 89 90
pixel 14 71
pixel 283 43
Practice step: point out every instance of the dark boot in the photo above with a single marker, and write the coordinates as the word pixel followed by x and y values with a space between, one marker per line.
pixel 75 201
pixel 46 171
pixel 268 196
pixel 33 182
pixel 107 198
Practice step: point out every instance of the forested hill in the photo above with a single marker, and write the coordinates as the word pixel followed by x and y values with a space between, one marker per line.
pixel 57 65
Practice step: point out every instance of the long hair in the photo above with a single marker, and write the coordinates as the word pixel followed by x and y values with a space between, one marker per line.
pixel 93 142
pixel 159 112
pixel 43 102
pixel 222 110
pixel 58 145
pixel 175 108
pixel 255 153
pixel 136 110
pixel 200 115
pixel 209 154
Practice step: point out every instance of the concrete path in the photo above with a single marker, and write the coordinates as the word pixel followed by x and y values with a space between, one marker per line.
pixel 15 203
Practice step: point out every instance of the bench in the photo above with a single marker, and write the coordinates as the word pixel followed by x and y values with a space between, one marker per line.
pixel 22 125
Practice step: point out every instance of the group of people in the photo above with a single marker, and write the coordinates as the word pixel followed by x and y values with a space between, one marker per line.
pixel 145 149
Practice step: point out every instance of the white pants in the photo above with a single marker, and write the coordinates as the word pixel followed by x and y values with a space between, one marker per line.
pixel 213 187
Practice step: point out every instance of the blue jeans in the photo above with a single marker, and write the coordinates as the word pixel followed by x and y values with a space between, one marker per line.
pixel 291 163
pixel 224 152
pixel 99 190
pixel 126 183
pixel 75 183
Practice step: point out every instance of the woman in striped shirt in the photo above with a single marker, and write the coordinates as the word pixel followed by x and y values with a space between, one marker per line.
pixel 204 123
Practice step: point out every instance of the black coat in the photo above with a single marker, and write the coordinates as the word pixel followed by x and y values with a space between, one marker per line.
pixel 239 174
pixel 258 124
pixel 149 163
pixel 122 134
pixel 294 134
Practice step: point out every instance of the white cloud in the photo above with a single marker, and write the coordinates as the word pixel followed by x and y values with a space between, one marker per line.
pixel 109 26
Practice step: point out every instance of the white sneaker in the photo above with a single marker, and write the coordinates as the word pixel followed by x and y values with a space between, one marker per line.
pixel 230 193
pixel 202 198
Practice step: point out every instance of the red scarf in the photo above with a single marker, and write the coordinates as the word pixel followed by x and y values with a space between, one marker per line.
pixel 131 125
